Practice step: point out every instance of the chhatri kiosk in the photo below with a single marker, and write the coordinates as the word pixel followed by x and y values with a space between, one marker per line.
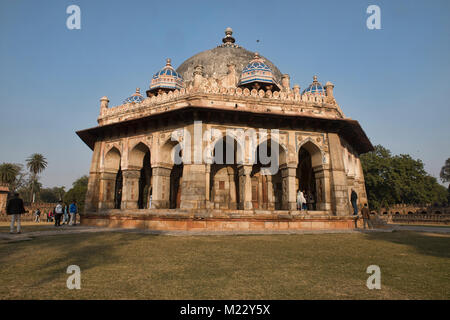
pixel 191 152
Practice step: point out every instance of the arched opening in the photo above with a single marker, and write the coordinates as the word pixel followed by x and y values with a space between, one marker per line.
pixel 266 178
pixel 112 179
pixel 224 179
pixel 139 160
pixel 176 175
pixel 310 158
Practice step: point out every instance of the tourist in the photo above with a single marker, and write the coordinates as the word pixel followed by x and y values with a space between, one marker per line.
pixel 73 209
pixel 66 214
pixel 305 205
pixel 301 201
pixel 366 217
pixel 38 215
pixel 354 200
pixel 58 213
pixel 15 208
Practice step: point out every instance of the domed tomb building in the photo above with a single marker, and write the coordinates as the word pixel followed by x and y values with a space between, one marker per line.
pixel 224 142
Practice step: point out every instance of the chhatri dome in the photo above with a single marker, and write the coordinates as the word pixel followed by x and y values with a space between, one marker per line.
pixel 135 97
pixel 166 79
pixel 215 61
pixel 315 88
pixel 257 71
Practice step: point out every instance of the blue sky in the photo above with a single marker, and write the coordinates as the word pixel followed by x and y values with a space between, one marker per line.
pixel 394 81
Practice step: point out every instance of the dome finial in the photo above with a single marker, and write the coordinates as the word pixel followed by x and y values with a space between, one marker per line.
pixel 228 36
pixel 168 62
pixel 315 79
pixel 138 90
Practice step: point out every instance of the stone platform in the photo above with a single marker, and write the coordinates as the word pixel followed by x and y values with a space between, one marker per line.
pixel 219 220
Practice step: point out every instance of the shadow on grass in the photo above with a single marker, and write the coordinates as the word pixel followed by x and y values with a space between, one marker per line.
pixel 437 245
pixel 85 250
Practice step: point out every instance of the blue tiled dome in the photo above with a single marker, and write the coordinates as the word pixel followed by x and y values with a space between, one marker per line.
pixel 257 71
pixel 135 97
pixel 166 78
pixel 315 88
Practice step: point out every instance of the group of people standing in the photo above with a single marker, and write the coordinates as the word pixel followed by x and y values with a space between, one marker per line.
pixel 61 211
pixel 15 208
pixel 66 212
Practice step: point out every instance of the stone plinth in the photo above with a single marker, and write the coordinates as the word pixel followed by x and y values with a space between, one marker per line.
pixel 217 220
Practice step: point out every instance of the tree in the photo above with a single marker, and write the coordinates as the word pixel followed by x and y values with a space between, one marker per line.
pixel 77 192
pixel 445 171
pixel 8 173
pixel 52 195
pixel 399 179
pixel 36 163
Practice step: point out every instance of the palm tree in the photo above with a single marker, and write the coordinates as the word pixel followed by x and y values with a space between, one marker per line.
pixel 8 172
pixel 36 163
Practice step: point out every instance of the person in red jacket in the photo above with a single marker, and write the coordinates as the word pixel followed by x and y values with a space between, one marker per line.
pixel 15 208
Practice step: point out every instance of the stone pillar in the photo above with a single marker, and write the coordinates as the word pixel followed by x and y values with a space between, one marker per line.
pixel 93 189
pixel 288 174
pixel 130 188
pixel 246 187
pixel 270 194
pixel 323 192
pixel 233 204
pixel 193 187
pixel 207 185
pixel 161 187
pixel 107 188
pixel 339 187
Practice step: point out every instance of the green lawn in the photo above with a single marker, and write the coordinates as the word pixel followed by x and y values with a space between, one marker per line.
pixel 141 266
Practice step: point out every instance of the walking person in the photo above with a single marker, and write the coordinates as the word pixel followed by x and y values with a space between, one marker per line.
pixel 15 208
pixel 58 213
pixel 354 200
pixel 366 217
pixel 73 210
pixel 38 215
pixel 66 214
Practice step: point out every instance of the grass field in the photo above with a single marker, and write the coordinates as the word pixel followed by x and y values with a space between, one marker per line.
pixel 142 266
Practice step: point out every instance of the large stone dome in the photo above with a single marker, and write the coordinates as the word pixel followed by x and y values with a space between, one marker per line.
pixel 215 61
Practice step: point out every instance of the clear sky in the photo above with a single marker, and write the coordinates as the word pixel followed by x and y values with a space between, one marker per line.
pixel 394 81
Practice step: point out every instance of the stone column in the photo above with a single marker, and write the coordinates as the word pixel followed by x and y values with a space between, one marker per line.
pixel 288 174
pixel 161 187
pixel 246 187
pixel 233 204
pixel 193 187
pixel 130 188
pixel 339 187
pixel 107 188
pixel 93 189
pixel 322 176
pixel 270 194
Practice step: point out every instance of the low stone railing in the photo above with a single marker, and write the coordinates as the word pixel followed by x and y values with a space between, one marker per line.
pixel 417 218
pixel 159 102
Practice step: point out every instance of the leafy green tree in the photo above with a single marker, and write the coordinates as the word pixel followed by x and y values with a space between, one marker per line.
pixel 399 179
pixel 77 192
pixel 445 171
pixel 8 172
pixel 52 195
pixel 13 175
pixel 36 163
